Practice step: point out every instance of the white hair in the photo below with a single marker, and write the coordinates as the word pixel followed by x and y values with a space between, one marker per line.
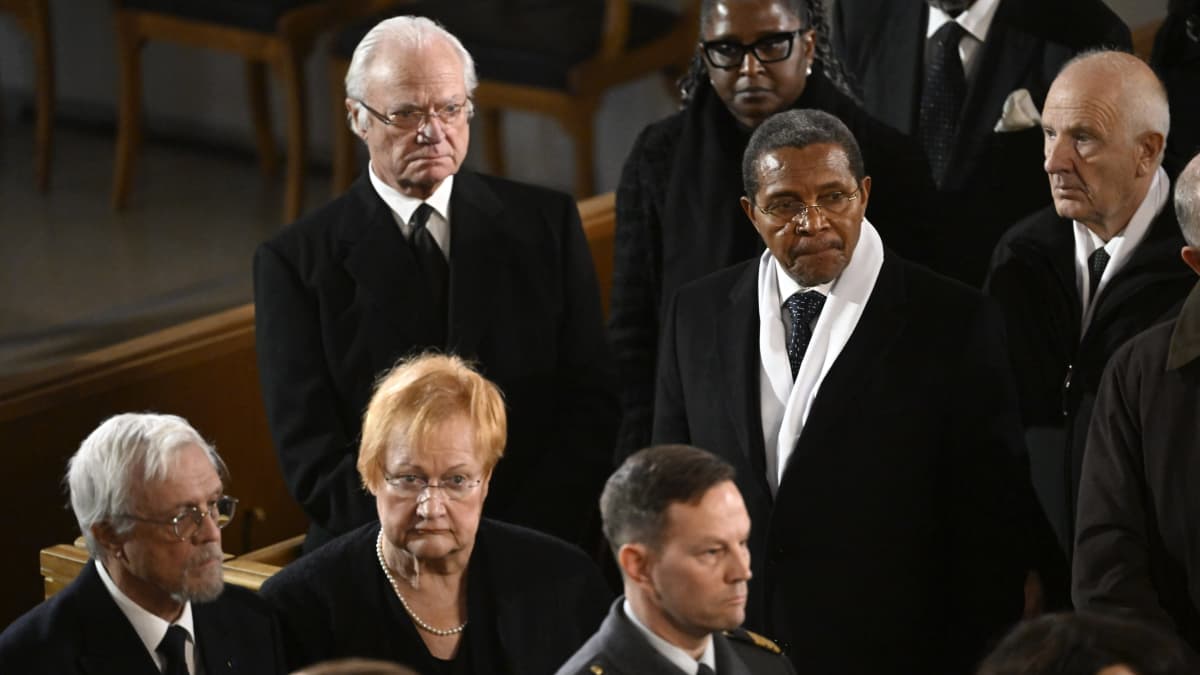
pixel 411 31
pixel 125 449
pixel 1187 202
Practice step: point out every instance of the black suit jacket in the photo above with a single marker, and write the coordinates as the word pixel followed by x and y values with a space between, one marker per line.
pixel 994 178
pixel 81 630
pixel 339 299
pixel 619 648
pixel 893 543
pixel 531 601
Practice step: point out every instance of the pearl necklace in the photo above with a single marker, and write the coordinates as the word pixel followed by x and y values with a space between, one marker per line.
pixel 396 587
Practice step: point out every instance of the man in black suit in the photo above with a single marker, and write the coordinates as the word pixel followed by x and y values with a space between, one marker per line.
pixel 1078 279
pixel 1135 543
pixel 865 404
pixel 680 533
pixel 966 78
pixel 147 492
pixel 421 255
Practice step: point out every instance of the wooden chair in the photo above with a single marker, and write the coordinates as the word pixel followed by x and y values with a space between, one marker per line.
pixel 638 39
pixel 278 34
pixel 33 16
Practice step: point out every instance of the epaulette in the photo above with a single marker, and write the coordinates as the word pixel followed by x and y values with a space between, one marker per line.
pixel 750 637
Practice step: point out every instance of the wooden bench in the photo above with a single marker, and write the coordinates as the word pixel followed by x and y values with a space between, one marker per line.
pixel 204 370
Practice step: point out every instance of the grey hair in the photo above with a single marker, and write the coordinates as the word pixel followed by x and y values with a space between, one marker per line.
pixel 1187 202
pixel 634 503
pixel 1144 101
pixel 798 129
pixel 124 450
pixel 411 31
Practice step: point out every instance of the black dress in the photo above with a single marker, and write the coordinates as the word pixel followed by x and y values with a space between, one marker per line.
pixel 532 600
pixel 679 218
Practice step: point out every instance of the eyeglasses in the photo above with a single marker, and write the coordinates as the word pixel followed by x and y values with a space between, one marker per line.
pixel 726 54
pixel 412 118
pixel 834 203
pixel 188 521
pixel 453 487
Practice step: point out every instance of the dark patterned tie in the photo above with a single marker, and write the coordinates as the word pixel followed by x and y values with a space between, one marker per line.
pixel 1097 261
pixel 433 265
pixel 171 648
pixel 942 96
pixel 703 669
pixel 803 308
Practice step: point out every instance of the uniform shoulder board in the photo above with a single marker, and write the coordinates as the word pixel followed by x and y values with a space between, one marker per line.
pixel 750 637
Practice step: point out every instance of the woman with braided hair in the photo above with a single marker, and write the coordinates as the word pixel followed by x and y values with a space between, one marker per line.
pixel 678 216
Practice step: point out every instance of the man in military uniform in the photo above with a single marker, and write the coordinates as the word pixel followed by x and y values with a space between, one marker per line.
pixel 679 530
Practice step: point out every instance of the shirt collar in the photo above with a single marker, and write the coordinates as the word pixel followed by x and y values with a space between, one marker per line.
pixel 403 206
pixel 788 286
pixel 150 628
pixel 977 20
pixel 1121 245
pixel 680 658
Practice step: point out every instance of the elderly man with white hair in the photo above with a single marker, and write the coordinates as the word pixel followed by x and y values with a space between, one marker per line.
pixel 147 491
pixel 419 255
pixel 1077 280
pixel 1137 546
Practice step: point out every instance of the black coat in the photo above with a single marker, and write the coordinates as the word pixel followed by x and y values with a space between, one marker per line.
pixel 1033 280
pixel 82 630
pixel 1137 547
pixel 894 543
pixel 531 601
pixel 618 648
pixel 995 178
pixel 339 299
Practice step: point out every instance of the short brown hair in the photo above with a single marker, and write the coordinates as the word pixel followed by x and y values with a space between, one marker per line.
pixel 421 393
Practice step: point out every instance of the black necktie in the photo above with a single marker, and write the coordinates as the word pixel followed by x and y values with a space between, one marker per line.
pixel 1097 261
pixel 433 265
pixel 703 669
pixel 942 96
pixel 171 648
pixel 803 308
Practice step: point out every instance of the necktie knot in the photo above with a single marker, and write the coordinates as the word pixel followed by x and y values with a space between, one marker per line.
pixel 703 669
pixel 803 309
pixel 171 648
pixel 949 35
pixel 421 216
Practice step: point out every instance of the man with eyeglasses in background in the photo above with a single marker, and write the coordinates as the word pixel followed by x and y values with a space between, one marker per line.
pixel 147 492
pixel 421 254
pixel 866 406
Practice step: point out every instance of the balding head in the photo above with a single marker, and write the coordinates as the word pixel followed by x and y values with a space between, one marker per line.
pixel 1105 123
pixel 1187 208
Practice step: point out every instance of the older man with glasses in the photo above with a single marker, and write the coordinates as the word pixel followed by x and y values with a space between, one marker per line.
pixel 422 254
pixel 147 492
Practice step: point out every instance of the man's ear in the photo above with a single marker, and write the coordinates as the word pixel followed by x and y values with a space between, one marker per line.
pixel 1149 148
pixel 353 118
pixel 748 208
pixel 634 561
pixel 1191 256
pixel 106 537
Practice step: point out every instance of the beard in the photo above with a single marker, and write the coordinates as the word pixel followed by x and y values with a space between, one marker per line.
pixel 201 582
pixel 951 7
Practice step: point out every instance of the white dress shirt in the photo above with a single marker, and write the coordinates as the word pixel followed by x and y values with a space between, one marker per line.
pixel 1120 247
pixel 976 20
pixel 152 629
pixel 785 404
pixel 670 652
pixel 403 207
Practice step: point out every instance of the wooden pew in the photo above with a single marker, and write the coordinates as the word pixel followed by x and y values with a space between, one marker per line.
pixel 204 370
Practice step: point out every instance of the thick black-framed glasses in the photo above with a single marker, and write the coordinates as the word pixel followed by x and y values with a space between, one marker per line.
pixel 727 54
pixel 189 521
pixel 414 118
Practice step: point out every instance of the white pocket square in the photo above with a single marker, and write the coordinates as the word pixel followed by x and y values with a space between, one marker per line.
pixel 1019 112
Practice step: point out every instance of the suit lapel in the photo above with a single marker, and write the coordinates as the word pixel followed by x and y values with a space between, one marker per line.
pixel 476 248
pixel 213 641
pixel 860 362
pixel 110 646
pixel 737 352
pixel 901 45
pixel 728 662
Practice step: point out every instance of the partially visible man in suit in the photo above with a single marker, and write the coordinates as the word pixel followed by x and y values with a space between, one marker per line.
pixel 1136 540
pixel 679 530
pixel 147 492
pixel 865 404
pixel 418 255
pixel 1078 279
pixel 967 78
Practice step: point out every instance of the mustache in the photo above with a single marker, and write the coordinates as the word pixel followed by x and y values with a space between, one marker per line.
pixel 209 553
